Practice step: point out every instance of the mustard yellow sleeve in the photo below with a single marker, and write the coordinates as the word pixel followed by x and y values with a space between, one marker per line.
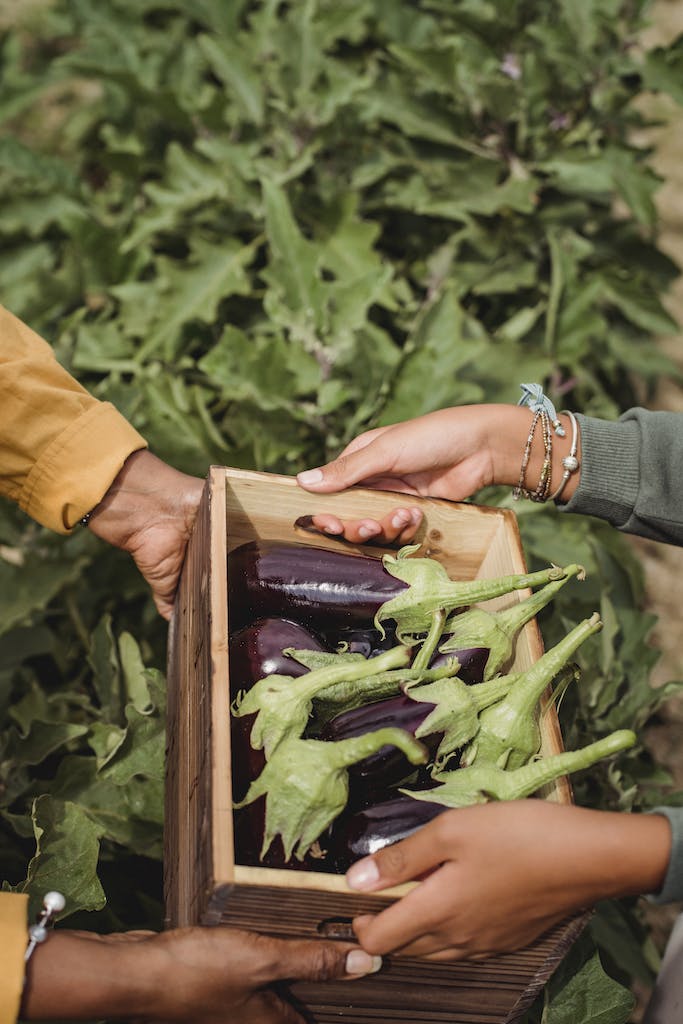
pixel 60 448
pixel 13 939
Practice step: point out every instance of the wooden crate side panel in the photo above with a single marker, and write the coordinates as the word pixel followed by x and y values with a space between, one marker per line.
pixel 222 863
pixel 267 506
pixel 188 830
pixel 488 992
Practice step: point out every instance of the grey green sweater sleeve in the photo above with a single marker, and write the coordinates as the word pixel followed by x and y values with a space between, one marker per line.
pixel 632 477
pixel 632 473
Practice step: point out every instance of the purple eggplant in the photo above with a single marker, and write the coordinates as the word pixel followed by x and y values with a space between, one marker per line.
pixel 326 589
pixel 320 588
pixel 306 787
pixel 256 652
pixel 387 766
pixel 472 661
pixel 365 640
pixel 443 714
pixel 371 829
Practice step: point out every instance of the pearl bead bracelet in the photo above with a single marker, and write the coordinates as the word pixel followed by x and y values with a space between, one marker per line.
pixel 570 462
pixel 53 903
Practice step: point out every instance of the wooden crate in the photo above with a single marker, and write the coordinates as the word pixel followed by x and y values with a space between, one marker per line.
pixel 202 882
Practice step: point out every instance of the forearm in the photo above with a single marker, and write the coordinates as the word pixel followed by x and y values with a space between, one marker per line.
pixel 88 978
pixel 618 854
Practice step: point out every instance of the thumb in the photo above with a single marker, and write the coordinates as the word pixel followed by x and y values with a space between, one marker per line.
pixel 319 960
pixel 406 861
pixel 359 462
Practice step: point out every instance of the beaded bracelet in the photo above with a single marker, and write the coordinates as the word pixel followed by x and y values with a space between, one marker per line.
pixel 570 461
pixel 544 410
pixel 53 903
pixel 540 493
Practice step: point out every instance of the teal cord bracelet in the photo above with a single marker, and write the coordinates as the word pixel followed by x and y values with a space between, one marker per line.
pixel 533 397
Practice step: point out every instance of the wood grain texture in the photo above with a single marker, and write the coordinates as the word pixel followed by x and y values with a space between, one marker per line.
pixel 202 882
pixel 197 659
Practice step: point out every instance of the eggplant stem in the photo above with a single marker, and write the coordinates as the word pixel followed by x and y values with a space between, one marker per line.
pixel 429 645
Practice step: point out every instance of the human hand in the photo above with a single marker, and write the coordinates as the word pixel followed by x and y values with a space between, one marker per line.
pixel 445 454
pixel 494 877
pixel 450 454
pixel 149 511
pixel 189 975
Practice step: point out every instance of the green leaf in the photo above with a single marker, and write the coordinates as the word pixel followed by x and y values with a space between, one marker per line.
pixel 293 271
pixel 232 65
pixel 262 368
pixel 135 674
pixel 43 738
pixel 663 69
pixel 592 997
pixel 104 661
pixel 130 815
pixel 442 344
pixel 67 851
pixel 29 587
pixel 143 748
pixel 192 292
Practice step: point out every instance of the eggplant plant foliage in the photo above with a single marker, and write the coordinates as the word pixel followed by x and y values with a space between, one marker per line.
pixel 259 228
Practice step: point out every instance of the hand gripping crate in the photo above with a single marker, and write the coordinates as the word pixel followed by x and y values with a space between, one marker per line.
pixel 203 884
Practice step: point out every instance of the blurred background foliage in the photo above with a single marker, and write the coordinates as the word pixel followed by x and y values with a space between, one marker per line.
pixel 258 228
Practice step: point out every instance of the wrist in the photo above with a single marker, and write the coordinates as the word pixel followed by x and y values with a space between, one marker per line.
pixel 508 433
pixel 623 854
pixel 508 430
pixel 145 491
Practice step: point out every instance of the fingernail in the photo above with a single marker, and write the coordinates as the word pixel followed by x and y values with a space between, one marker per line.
pixel 367 531
pixel 362 875
pixel 334 529
pixel 416 515
pixel 400 519
pixel 360 962
pixel 310 476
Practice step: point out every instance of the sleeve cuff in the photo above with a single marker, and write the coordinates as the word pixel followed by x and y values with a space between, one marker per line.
pixel 76 470
pixel 672 889
pixel 617 445
pixel 13 939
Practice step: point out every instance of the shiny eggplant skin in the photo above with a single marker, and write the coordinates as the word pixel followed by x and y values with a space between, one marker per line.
pixel 472 662
pixel 389 765
pixel 256 651
pixel 365 640
pixel 320 588
pixel 372 828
